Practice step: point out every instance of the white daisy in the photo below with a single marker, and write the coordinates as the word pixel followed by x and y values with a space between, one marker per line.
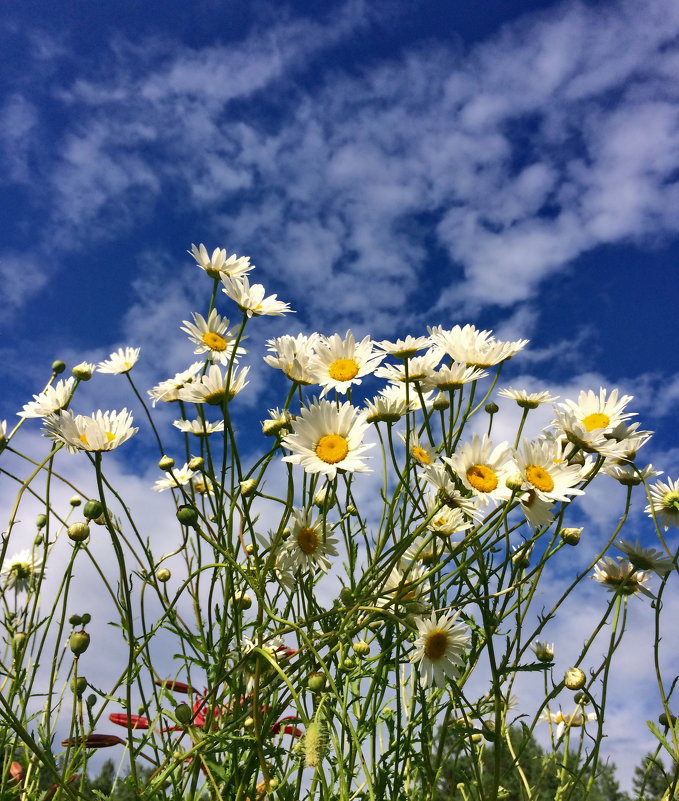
pixel 219 264
pixel 175 478
pixel 444 520
pixel 626 440
pixel 665 503
pixel 278 422
pixel 202 485
pixel 405 395
pixel 620 576
pixel 594 413
pixel 543 472
pixel 404 348
pixel 418 368
pixel 527 400
pixel 214 387
pixel 386 409
pixel 251 300
pixel 472 347
pixel 121 361
pixel 420 452
pixel 405 590
pixel 327 438
pixel 483 468
pixel 102 431
pixel 51 399
pixel 453 376
pixel 544 651
pixel 199 428
pixel 646 558
pixel 438 477
pixel 307 547
pixel 212 336
pixel 577 719
pixel 538 512
pixel 168 390
pixel 19 571
pixel 339 363
pixel 629 475
pixel 439 648
pixel 293 356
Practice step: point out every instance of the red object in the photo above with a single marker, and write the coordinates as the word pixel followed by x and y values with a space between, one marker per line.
pixel 135 721
pixel 93 741
pixel 175 686
pixel 288 729
pixel 55 787
pixel 16 771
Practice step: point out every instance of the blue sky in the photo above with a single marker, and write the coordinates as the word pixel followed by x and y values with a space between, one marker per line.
pixel 386 165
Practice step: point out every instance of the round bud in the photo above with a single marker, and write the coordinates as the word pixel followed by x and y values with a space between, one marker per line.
pixel 79 685
pixel 361 648
pixel 86 618
pixel 75 501
pixel 79 642
pixel 19 640
pixel 187 515
pixel 581 698
pixel 78 532
pixel 346 595
pixel 347 664
pixel 39 539
pixel 166 463
pixel 316 682
pixel 249 549
pixel 163 575
pixel 196 463
pixel 387 713
pixel 574 679
pixel 514 482
pixel 249 723
pixel 41 521
pixel 58 367
pixel 492 408
pixel 352 510
pixel 83 371
pixel 273 784
pixel 664 720
pixel 441 402
pixel 476 738
pixel 247 487
pixel 571 536
pixel 242 600
pixel 183 713
pixel 75 620
pixel 93 509
pixel 91 700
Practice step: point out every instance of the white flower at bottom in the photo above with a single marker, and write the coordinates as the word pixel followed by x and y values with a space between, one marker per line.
pixel 439 648
pixel 175 478
pixel 665 503
pixel 199 428
pixel 102 431
pixel 646 558
pixel 18 571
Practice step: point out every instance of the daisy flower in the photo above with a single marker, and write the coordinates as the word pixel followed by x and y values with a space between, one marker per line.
pixel 665 503
pixel 454 376
pixel 544 651
pixel 251 300
pixel 595 414
pixel 445 520
pixel 405 590
pixel 421 453
pixel 401 393
pixel 338 363
pixel 543 472
pixel 219 264
pixel 538 512
pixel 102 431
pixel 121 361
pixel 577 719
pixel 51 399
pixel 18 571
pixel 483 468
pixel 527 400
pixel 418 368
pixel 213 387
pixel 629 475
pixel 327 438
pixel 386 409
pixel 175 478
pixel 3 432
pixel 620 576
pixel 201 485
pixel 293 355
pixel 403 348
pixel 278 422
pixel 199 428
pixel 472 347
pixel 438 477
pixel 168 390
pixel 212 336
pixel 307 547
pixel 439 648
pixel 646 558
pixel 83 371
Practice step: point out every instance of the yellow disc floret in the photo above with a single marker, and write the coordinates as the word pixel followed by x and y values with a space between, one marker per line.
pixel 332 448
pixel 436 644
pixel 343 369
pixel 539 478
pixel 482 477
pixel 596 420
pixel 307 539
pixel 214 341
pixel 420 454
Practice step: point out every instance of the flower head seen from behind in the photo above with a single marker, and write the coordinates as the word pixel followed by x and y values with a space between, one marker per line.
pixel 52 399
pixel 527 400
pixel 327 438
pixel 20 570
pixel 439 648
pixel 665 503
pixel 219 263
pixel 251 300
pixel 102 431
pixel 645 558
pixel 213 387
pixel 620 576
pixel 122 361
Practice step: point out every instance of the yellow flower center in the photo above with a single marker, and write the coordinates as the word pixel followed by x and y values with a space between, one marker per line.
pixel 84 441
pixel 307 539
pixel 539 478
pixel 596 420
pixel 214 341
pixel 201 487
pixel 343 369
pixel 482 477
pixel 332 448
pixel 420 454
pixel 435 644
pixel 670 502
pixel 215 398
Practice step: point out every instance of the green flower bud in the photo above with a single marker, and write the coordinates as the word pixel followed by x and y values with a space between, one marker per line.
pixel 575 678
pixel 163 575
pixel 361 648
pixel 58 367
pixel 75 501
pixel 41 521
pixel 247 487
pixel 441 402
pixel 242 600
pixel 83 371
pixel 79 685
pixel 79 642
pixel 183 713
pixel 78 532
pixel 492 408
pixel 316 682
pixel 187 515
pixel 19 641
pixel 166 463
pixel 91 700
pixel 93 509
pixel 75 620
pixel 663 720
pixel 352 510
pixel 196 463
pixel 86 618
pixel 346 596
pixel 571 536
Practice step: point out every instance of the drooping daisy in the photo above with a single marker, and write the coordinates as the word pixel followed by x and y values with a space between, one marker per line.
pixel 453 376
pixel 474 348
pixel 20 570
pixel 293 356
pixel 439 648
pixel 121 361
pixel 278 422
pixel 219 264
pixel 51 399
pixel 403 348
pixel 620 576
pixel 199 428
pixel 385 409
pixel 544 651
pixel 405 589
pixel 646 558
pixel 327 438
pixel 214 387
pixel 438 477
pixel 419 368
pixel 665 503
pixel 444 520
pixel 168 390
pixel 420 452
pixel 212 336
pixel 308 546
pixel 527 400
pixel 102 431
pixel 543 472
pixel 483 468
pixel 251 300
pixel 577 719
pixel 629 475
pixel 538 512
pixel 339 363
pixel 175 478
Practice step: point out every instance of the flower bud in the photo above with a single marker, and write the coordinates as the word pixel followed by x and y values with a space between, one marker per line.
pixel 183 713
pixel 75 501
pixel 58 367
pixel 514 482
pixel 196 463
pixel 91 700
pixel 247 486
pixel 93 741
pixel 571 536
pixel 75 620
pixel 492 408
pixel 79 642
pixel 574 678
pixel 346 596
pixel 79 685
pixel 441 402
pixel 187 515
pixel 581 698
pixel 163 575
pixel 93 509
pixel 347 664
pixel 242 600
pixel 78 532
pixel 249 549
pixel 361 648
pixel 19 640
pixel 166 463
pixel 316 682
pixel 663 720
pixel 321 497
pixel 248 723
pixel 83 371
pixel 352 510
pixel 41 521
pixel 86 618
